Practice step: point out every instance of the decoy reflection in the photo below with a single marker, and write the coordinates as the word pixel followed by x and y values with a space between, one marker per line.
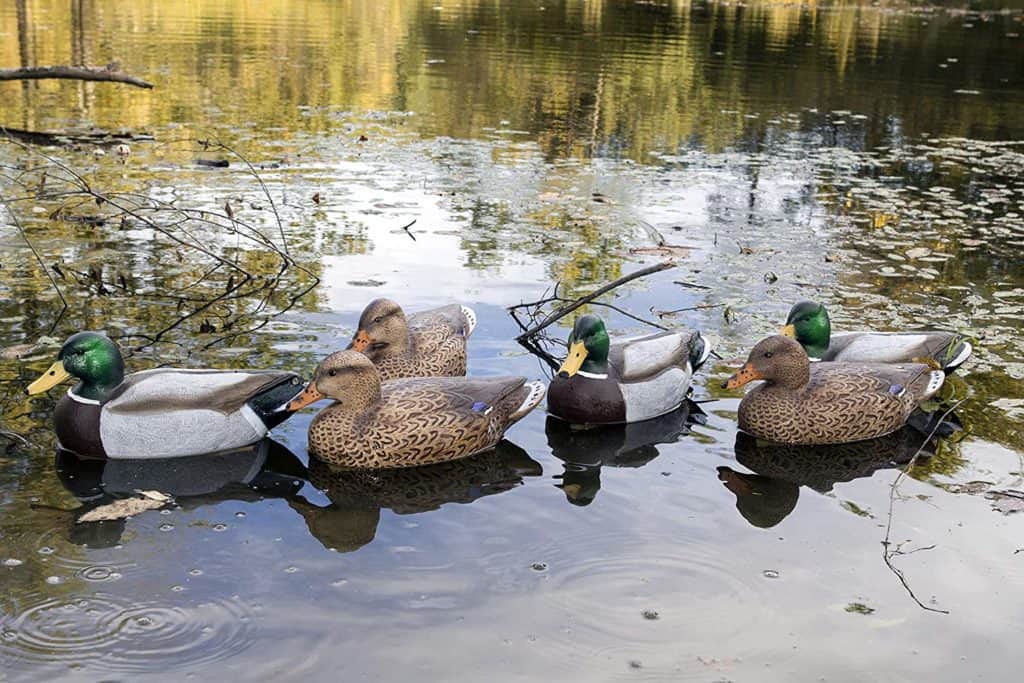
pixel 767 496
pixel 264 469
pixel 358 495
pixel 585 450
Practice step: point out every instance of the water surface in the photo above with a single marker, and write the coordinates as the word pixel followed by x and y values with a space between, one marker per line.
pixel 865 155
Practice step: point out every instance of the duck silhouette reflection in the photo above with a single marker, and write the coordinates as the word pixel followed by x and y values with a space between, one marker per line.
pixel 264 469
pixel 585 450
pixel 357 496
pixel 769 494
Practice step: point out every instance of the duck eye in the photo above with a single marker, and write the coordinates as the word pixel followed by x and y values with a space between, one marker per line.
pixel 379 319
pixel 767 354
pixel 332 373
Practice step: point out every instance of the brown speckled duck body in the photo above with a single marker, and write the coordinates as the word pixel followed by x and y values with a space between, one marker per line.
pixel 424 344
pixel 412 421
pixel 826 403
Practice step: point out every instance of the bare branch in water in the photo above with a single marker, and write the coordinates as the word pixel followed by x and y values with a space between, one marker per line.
pixel 890 550
pixel 39 260
pixel 565 310
pixel 111 73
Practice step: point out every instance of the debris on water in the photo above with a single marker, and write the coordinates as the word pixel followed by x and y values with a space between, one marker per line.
pixel 539 566
pixel 770 277
pixel 771 573
pixel 213 163
pixel 918 252
pixel 12 562
pixel 366 283
pixel 859 608
pixel 651 615
pixel 1007 502
pixel 635 664
pixel 855 509
pixel 125 507
pixel 54 580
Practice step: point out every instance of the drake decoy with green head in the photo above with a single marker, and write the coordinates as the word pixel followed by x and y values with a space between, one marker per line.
pixel 800 402
pixel 630 380
pixel 809 324
pixel 161 413
pixel 411 421
pixel 424 344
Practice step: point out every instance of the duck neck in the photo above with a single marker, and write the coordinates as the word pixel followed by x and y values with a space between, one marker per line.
pixel 101 381
pixel 793 375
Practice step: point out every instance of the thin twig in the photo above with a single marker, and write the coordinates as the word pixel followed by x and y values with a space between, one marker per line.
pixel 12 436
pixel 109 73
pixel 407 231
pixel 888 554
pixel 49 276
pixel 563 311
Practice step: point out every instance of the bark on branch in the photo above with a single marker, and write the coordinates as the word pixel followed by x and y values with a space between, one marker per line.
pixel 78 73
pixel 569 308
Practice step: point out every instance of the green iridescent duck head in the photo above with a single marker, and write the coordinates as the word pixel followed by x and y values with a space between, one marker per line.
pixel 808 323
pixel 588 348
pixel 89 357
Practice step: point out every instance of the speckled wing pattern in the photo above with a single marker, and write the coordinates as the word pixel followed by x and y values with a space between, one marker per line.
pixel 437 345
pixel 843 402
pixel 419 421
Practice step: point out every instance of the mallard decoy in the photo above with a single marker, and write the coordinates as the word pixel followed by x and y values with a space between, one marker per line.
pixel 809 324
pixel 161 413
pixel 408 422
pixel 826 403
pixel 424 344
pixel 628 381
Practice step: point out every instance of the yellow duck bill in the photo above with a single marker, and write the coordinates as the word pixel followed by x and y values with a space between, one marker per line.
pixel 788 331
pixel 574 361
pixel 49 379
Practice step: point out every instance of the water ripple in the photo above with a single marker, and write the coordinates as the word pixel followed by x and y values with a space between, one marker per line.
pixel 105 630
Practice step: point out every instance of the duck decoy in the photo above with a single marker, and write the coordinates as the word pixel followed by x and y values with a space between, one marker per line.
pixel 809 324
pixel 161 413
pixel 630 380
pixel 826 403
pixel 411 421
pixel 424 344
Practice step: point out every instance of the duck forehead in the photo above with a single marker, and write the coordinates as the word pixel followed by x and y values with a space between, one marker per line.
pixel 802 308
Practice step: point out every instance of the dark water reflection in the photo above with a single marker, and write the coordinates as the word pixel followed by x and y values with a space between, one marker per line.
pixel 864 155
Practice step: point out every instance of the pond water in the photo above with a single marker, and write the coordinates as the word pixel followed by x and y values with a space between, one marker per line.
pixel 866 155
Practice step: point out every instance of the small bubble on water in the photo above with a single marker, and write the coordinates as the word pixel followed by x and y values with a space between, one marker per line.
pixel 240 515
pixel 46 550
pixel 177 589
pixel 771 573
pixel 291 570
pixel 539 566
pixel 114 576
pixel 651 615
pixel 165 512
pixel 144 622
pixel 220 527
pixel 338 583
pixel 206 629
pixel 54 580
pixel 12 562
pixel 166 527
pixel 195 572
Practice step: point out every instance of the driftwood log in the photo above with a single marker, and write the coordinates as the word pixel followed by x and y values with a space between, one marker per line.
pixel 110 73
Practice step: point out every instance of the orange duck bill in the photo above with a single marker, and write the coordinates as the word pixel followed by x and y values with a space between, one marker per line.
pixel 361 342
pixel 308 395
pixel 747 373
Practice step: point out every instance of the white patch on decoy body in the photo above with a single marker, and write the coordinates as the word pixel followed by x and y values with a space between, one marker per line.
pixel 536 395
pixel 878 348
pixel 655 396
pixel 592 375
pixel 129 432
pixel 642 357
pixel 470 319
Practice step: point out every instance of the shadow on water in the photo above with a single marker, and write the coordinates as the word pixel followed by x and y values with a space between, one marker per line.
pixel 358 496
pixel 768 495
pixel 585 450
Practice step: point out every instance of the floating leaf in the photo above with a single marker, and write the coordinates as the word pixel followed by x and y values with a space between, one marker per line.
pixel 126 507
